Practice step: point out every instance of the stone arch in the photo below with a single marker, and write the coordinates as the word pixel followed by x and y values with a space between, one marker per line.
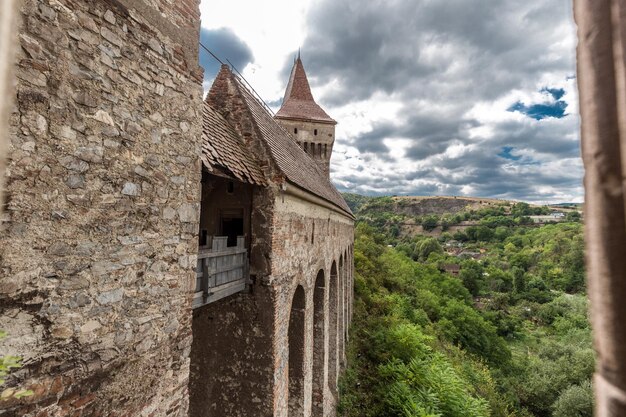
pixel 333 301
pixel 346 296
pixel 341 312
pixel 319 346
pixel 351 287
pixel 296 353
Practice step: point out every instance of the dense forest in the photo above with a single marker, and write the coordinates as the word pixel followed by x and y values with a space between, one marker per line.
pixel 490 320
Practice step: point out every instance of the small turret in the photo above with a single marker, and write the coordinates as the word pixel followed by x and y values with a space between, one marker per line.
pixel 311 127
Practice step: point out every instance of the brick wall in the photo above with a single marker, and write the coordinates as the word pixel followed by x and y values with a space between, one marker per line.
pixel 98 237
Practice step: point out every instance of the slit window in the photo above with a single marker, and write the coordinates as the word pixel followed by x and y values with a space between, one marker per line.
pixel 295 130
pixel 315 132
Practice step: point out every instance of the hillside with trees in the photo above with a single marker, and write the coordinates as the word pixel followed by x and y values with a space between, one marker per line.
pixel 486 321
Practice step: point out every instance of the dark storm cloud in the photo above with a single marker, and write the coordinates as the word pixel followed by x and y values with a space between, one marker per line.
pixel 225 44
pixel 372 141
pixel 439 59
pixel 431 132
pixel 439 47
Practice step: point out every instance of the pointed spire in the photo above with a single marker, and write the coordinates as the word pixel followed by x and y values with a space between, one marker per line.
pixel 298 87
pixel 298 101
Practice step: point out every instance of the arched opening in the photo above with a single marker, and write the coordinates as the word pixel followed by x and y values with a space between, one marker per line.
pixel 296 354
pixel 351 285
pixel 332 329
pixel 340 313
pixel 346 297
pixel 318 346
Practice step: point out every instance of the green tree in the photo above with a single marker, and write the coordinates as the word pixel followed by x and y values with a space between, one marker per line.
pixel 471 274
pixel 429 223
pixel 428 246
pixel 573 216
pixel 519 280
pixel 575 401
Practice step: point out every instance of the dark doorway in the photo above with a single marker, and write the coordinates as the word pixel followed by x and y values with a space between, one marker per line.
pixel 231 225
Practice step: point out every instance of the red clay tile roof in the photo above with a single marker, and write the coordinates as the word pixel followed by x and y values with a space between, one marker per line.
pixel 222 147
pixel 298 102
pixel 294 163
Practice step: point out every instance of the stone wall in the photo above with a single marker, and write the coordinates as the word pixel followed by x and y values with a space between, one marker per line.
pixel 242 352
pixel 307 238
pixel 99 234
pixel 232 356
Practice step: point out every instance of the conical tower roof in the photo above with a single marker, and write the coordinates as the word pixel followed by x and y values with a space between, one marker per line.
pixel 298 102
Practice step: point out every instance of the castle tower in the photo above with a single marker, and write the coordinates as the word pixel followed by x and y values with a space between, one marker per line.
pixel 311 127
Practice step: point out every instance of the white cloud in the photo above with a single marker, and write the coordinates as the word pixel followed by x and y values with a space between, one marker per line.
pixel 422 89
pixel 272 28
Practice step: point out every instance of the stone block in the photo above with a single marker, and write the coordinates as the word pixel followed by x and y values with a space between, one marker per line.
pixel 112 296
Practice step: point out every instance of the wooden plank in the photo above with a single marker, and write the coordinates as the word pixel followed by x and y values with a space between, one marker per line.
pixel 197 300
pixel 231 251
pixel 205 276
pixel 225 291
pixel 225 269
pixel 211 280
pixel 219 243
pixel 219 293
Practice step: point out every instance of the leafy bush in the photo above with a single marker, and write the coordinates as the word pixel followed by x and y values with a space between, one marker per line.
pixel 6 364
pixel 575 401
pixel 429 223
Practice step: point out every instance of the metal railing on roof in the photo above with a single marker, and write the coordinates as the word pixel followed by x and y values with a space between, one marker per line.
pixel 240 76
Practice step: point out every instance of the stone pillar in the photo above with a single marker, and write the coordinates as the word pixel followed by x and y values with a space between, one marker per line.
pixel 8 19
pixel 602 88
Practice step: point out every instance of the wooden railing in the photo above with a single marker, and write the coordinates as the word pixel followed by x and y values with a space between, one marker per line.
pixel 221 271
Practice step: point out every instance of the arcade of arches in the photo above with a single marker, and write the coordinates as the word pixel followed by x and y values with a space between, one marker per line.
pixel 324 323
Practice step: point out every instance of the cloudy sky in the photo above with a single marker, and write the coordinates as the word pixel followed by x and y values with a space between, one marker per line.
pixel 433 97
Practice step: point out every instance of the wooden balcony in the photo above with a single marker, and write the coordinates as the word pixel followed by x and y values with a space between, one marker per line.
pixel 221 271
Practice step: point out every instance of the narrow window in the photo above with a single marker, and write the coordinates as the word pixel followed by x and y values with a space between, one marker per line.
pixel 230 187
pixel 319 149
pixel 306 147
pixel 295 130
pixel 315 132
pixel 325 149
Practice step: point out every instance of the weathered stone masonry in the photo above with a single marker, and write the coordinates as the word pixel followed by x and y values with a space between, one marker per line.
pixel 276 349
pixel 118 176
pixel 99 231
